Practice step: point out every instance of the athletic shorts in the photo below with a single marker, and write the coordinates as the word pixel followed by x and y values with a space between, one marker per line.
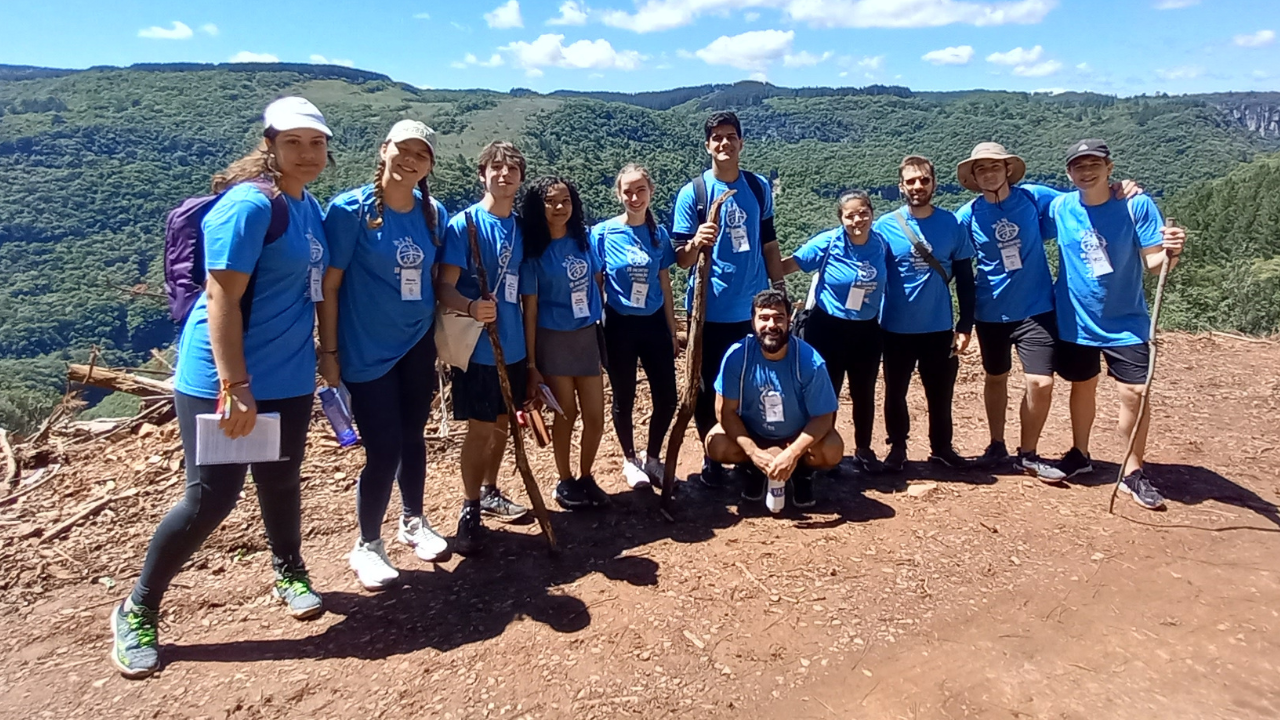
pixel 477 393
pixel 1034 337
pixel 1126 363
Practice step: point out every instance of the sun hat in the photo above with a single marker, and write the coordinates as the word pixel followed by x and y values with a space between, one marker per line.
pixel 1014 165
pixel 413 130
pixel 294 113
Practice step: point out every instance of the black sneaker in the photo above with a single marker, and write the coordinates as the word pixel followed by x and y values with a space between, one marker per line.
pixel 571 494
pixel 1035 465
pixel 1141 490
pixel 136 649
pixel 753 482
pixel 867 459
pixel 470 537
pixel 950 458
pixel 994 456
pixel 713 474
pixel 802 488
pixel 1074 463
pixel 496 505
pixel 595 495
pixel 897 456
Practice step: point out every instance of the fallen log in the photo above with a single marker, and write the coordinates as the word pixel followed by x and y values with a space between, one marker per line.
pixel 117 381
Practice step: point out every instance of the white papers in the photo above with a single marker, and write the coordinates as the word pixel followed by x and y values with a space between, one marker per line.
pixel 213 447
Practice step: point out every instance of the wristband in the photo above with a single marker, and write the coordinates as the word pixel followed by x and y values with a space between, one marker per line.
pixel 322 351
pixel 469 304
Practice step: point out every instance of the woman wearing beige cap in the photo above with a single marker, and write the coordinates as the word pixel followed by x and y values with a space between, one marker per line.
pixel 264 250
pixel 384 239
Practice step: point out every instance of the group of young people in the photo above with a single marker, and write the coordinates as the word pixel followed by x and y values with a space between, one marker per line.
pixel 372 291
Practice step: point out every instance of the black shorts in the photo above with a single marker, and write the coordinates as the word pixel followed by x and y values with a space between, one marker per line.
pixel 1126 363
pixel 1035 338
pixel 477 394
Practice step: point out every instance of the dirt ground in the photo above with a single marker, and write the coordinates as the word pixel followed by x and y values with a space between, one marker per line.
pixel 926 595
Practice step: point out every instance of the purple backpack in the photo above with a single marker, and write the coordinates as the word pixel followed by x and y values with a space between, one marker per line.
pixel 184 272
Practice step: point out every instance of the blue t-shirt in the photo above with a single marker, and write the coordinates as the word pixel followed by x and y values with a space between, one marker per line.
pixel 737 259
pixel 852 285
pixel 1100 300
pixel 380 316
pixel 1013 280
pixel 564 279
pixel 279 344
pixel 776 398
pixel 916 299
pixel 502 251
pixel 631 265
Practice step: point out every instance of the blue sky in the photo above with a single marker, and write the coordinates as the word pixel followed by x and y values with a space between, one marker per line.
pixel 1120 47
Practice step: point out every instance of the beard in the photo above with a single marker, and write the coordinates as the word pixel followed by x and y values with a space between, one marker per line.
pixel 923 201
pixel 773 341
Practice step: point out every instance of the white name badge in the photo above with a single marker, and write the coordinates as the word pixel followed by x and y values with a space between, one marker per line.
pixel 411 283
pixel 580 307
pixel 1011 256
pixel 1098 262
pixel 856 295
pixel 639 294
pixel 741 243
pixel 772 402
pixel 316 284
pixel 511 291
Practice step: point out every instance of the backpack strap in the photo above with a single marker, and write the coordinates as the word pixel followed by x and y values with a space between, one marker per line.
pixel 700 197
pixel 276 229
pixel 757 189
pixel 921 250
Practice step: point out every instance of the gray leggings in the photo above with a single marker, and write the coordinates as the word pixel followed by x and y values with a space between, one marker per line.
pixel 213 490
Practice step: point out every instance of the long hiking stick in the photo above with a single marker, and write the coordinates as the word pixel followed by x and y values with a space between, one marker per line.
pixel 1146 387
pixel 692 364
pixel 513 429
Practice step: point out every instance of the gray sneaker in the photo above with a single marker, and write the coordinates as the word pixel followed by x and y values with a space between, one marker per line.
pixel 136 647
pixel 293 588
pixel 496 505
pixel 1141 490
pixel 1035 465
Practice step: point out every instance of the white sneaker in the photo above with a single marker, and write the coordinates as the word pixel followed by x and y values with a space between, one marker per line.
pixel 655 469
pixel 635 475
pixel 372 566
pixel 418 534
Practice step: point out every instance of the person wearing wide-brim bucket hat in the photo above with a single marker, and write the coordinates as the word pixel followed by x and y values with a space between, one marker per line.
pixel 1015 167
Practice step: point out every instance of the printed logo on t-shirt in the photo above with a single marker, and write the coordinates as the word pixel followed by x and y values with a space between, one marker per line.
pixel 576 267
pixel 734 216
pixel 408 254
pixel 866 272
pixel 1006 231
pixel 1092 243
pixel 917 260
pixel 316 248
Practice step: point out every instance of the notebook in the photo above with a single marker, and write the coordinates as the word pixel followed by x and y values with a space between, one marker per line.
pixel 213 447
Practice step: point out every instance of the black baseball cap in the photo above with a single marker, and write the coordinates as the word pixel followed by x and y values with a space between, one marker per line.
pixel 1088 146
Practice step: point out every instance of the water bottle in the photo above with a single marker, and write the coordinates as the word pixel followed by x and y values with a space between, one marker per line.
pixel 339 416
pixel 775 497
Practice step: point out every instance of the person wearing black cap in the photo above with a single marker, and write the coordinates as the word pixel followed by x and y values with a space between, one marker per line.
pixel 1101 308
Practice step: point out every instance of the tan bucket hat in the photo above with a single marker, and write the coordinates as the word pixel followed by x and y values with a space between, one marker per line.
pixel 1016 167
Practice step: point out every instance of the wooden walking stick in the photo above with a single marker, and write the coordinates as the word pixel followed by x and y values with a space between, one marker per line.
pixel 513 429
pixel 692 363
pixel 1151 373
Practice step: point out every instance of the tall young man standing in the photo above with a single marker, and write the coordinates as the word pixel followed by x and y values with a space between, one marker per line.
pixel 744 256
pixel 926 248
pixel 1102 310
pixel 1014 303
pixel 477 395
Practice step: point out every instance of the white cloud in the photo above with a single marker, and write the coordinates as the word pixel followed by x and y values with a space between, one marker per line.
pixel 209 29
pixel 758 77
pixel 459 26
pixel 1183 72
pixel 1258 39
pixel 871 62
pixel 1175 4
pixel 751 16
pixel 470 60
pixel 804 58
pixel 422 16
pixel 685 54
pixel 950 56
pixel 656 15
pixel 505 16
pixel 179 31
pixel 571 13
pixel 1261 74
pixel 550 51
pixel 322 60
pixel 244 56
pixel 1016 56
pixel 1084 67
pixel 752 50
pixel 1043 69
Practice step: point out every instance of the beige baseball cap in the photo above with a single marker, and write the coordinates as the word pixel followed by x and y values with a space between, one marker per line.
pixel 1016 167
pixel 413 130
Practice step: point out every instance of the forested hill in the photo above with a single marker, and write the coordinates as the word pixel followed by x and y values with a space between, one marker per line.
pixel 91 160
